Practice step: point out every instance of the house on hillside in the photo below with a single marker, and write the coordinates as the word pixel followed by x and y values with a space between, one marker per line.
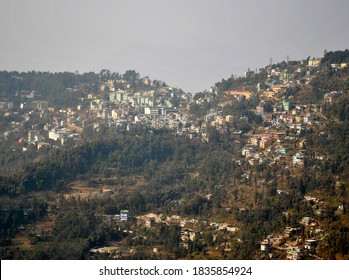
pixel 314 62
pixel 239 94
pixel 306 221
pixel 310 245
pixel 266 246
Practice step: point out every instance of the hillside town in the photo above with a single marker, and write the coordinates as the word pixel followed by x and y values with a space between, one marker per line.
pixel 284 118
pixel 272 132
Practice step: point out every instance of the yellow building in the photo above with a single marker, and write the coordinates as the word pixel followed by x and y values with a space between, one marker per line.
pixel 298 119
pixel 268 94
pixel 220 120
pixel 276 88
pixel 247 94
pixel 229 119
pixel 315 62
pixel 114 114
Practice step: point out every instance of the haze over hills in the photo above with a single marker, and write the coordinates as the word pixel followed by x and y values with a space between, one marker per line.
pixel 108 165
pixel 188 44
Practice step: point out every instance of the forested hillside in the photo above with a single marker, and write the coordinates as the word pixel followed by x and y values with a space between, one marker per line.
pixel 255 168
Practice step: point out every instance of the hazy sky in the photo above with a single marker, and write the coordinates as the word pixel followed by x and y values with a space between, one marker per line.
pixel 190 44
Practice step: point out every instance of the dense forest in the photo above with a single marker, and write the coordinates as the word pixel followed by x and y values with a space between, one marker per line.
pixel 168 165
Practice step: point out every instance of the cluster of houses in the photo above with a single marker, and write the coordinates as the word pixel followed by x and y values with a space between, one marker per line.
pixel 300 242
pixel 190 229
pixel 165 107
pixel 290 244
